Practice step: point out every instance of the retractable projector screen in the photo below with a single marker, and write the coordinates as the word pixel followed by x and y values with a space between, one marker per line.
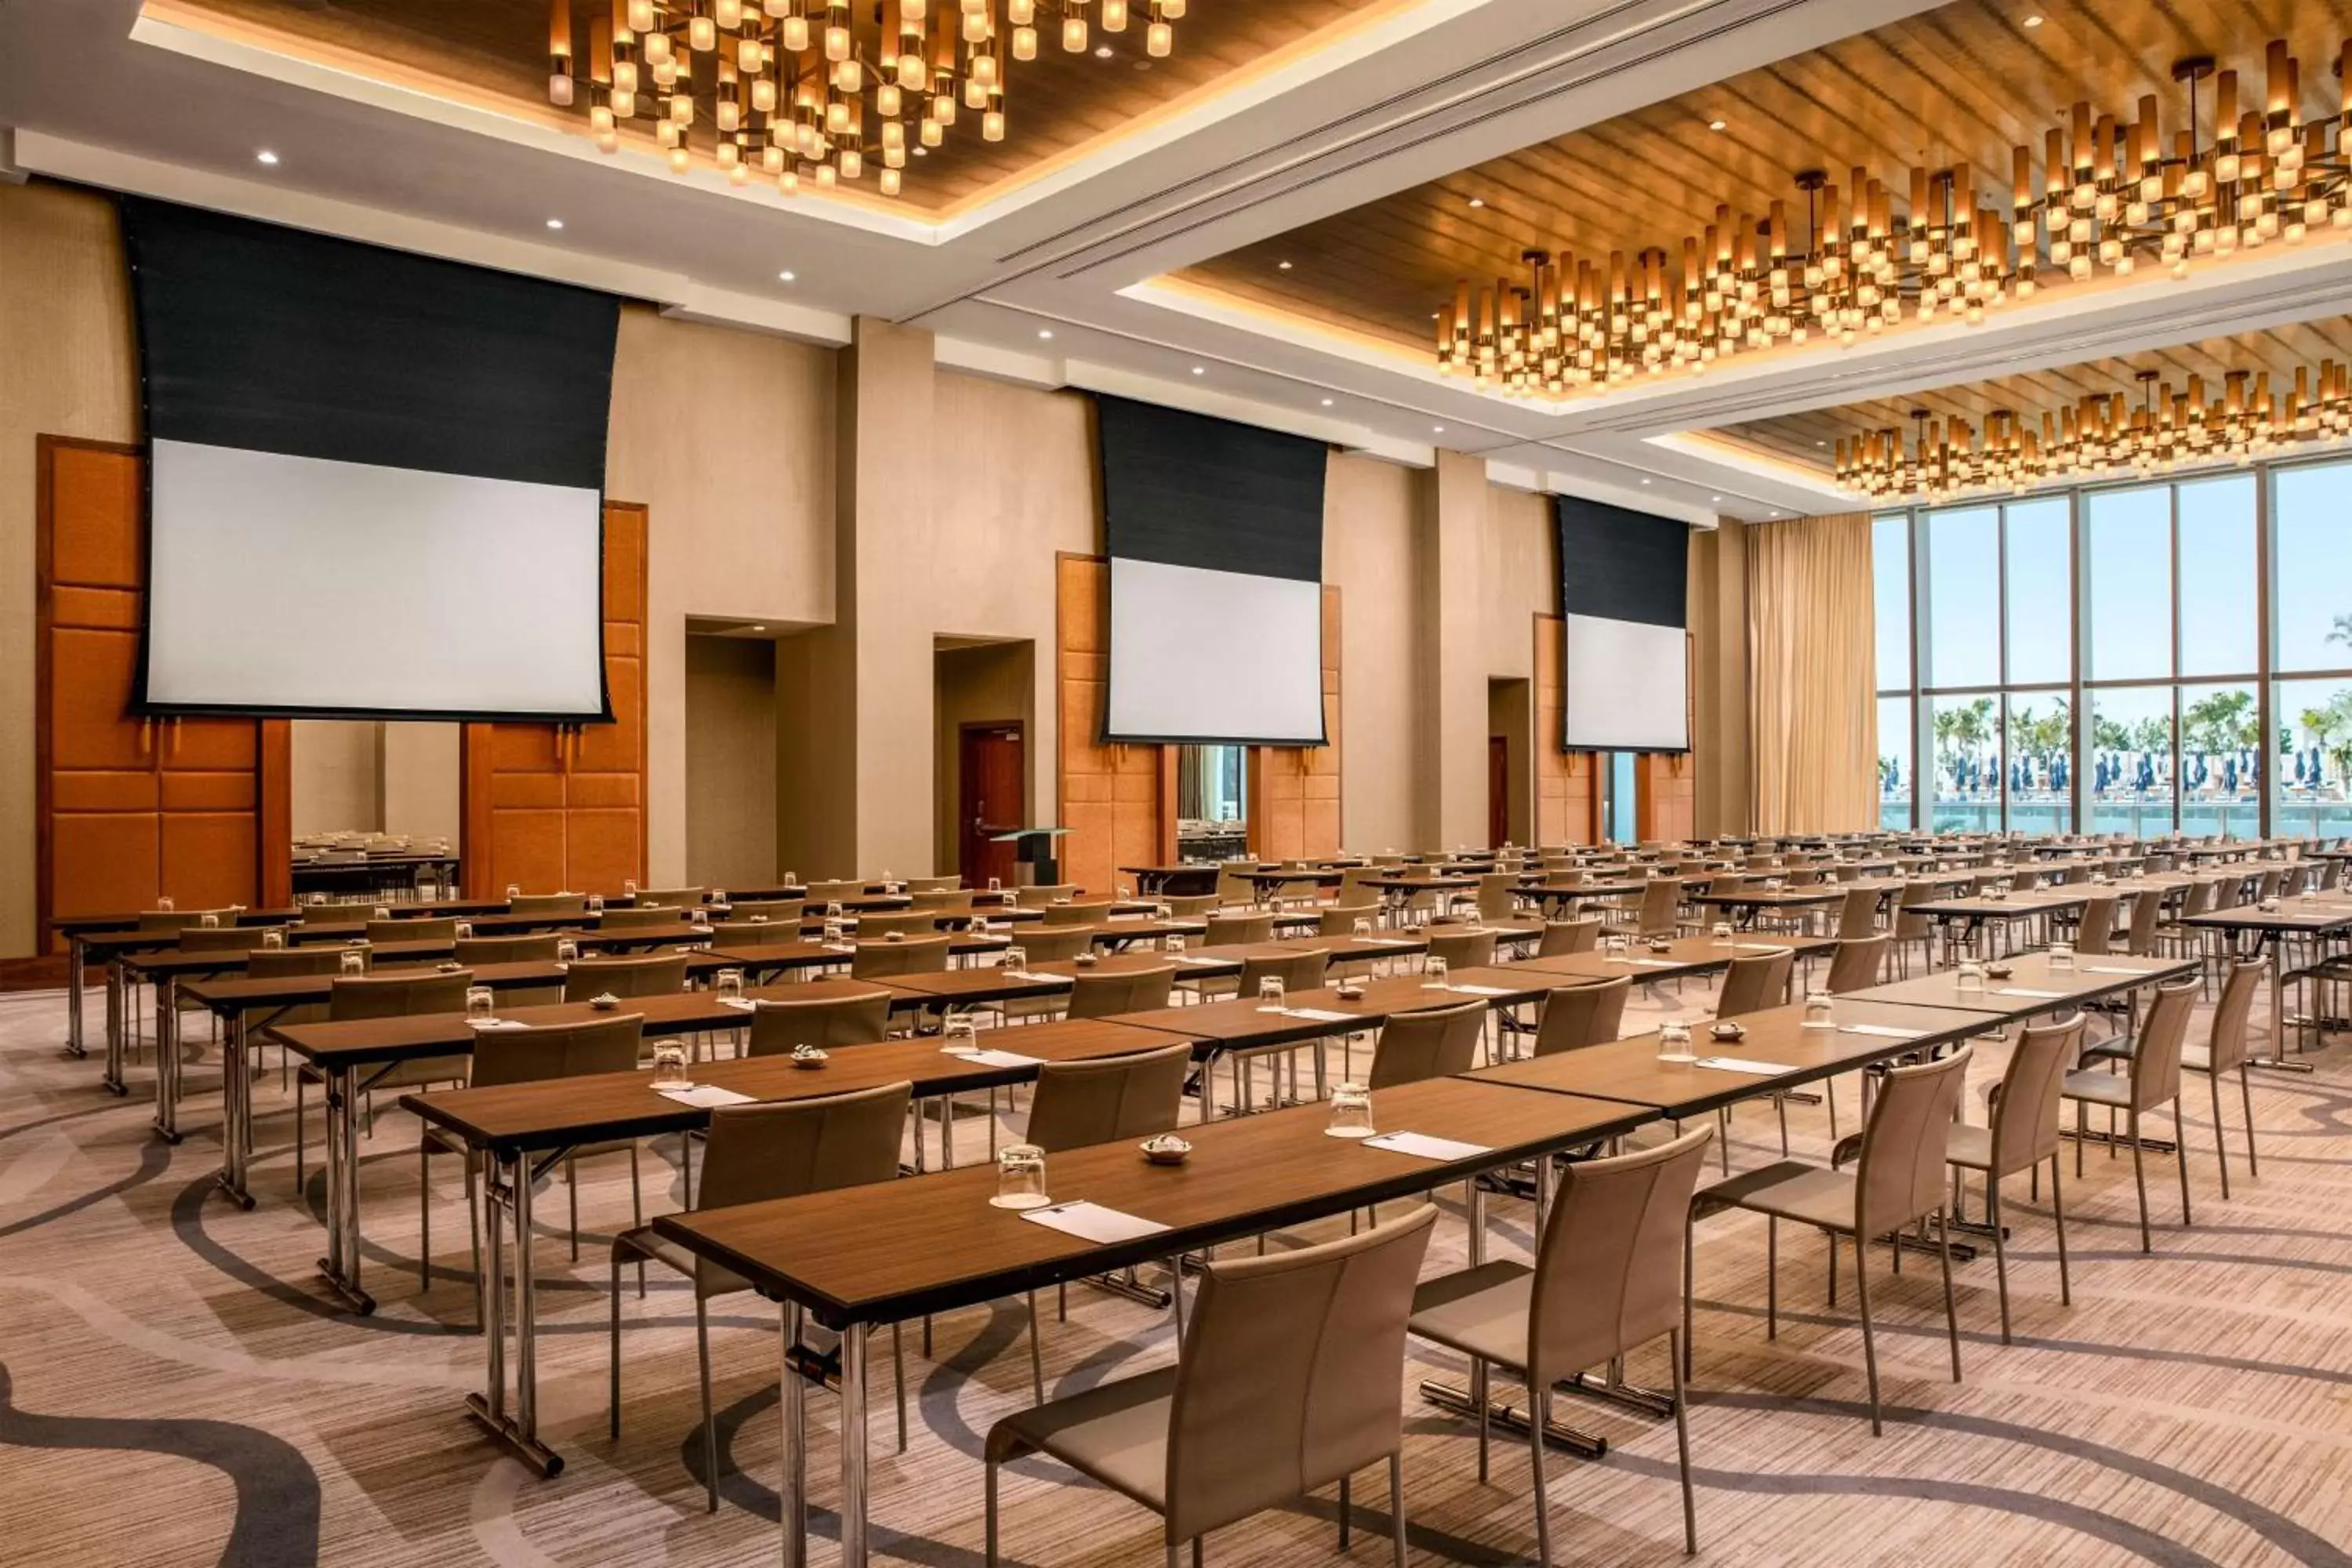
pixel 375 480
pixel 1622 595
pixel 1215 535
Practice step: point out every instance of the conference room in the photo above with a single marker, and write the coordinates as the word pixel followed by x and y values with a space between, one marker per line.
pixel 1112 781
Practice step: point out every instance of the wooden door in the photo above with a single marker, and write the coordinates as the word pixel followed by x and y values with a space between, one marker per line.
pixel 130 809
pixel 560 807
pixel 992 771
pixel 1498 790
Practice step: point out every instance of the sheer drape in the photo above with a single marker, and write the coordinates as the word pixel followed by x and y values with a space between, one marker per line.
pixel 1811 656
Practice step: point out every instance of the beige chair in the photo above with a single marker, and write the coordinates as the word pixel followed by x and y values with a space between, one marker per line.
pixel 1460 949
pixel 828 1022
pixel 1301 971
pixel 1899 1180
pixel 913 923
pixel 193 919
pixel 1233 886
pixel 1858 915
pixel 1607 1279
pixel 548 904
pixel 1857 963
pixel 1093 912
pixel 1575 1016
pixel 655 918
pixel 766 911
pixel 1289 1380
pixel 943 901
pixel 2226 1051
pixel 1562 938
pixel 839 890
pixel 223 939
pixel 1913 927
pixel 663 974
pixel 1040 945
pixel 2152 1079
pixel 1190 906
pixel 444 929
pixel 1098 994
pixel 1238 930
pixel 397 994
pixel 1499 895
pixel 1657 915
pixel 920 886
pixel 2148 910
pixel 1753 982
pixel 1340 920
pixel 913 955
pixel 1038 895
pixel 537 948
pixel 1429 1042
pixel 2023 1133
pixel 756 1154
pixel 2094 929
pixel 532 1055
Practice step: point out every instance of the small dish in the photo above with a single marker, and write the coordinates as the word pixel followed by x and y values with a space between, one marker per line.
pixel 894 936
pixel 604 1002
pixel 1998 971
pixel 1350 991
pixel 808 1056
pixel 1729 1031
pixel 1660 944
pixel 447 966
pixel 1167 1149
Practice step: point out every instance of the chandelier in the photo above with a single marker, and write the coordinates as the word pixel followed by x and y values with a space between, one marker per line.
pixel 2102 434
pixel 2113 195
pixel 807 89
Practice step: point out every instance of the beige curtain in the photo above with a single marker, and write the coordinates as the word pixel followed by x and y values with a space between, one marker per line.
pixel 1810 653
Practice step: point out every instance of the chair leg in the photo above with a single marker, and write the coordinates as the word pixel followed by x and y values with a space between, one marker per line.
pixel 1682 1442
pixel 2246 1092
pixel 1690 1241
pixel 613 1419
pixel 1037 1354
pixel 1869 1343
pixel 1781 1108
pixel 1951 1310
pixel 2221 1144
pixel 474 1232
pixel 2139 1175
pixel 1347 1508
pixel 571 1191
pixel 424 1219
pixel 1396 1510
pixel 1999 1250
pixel 988 1469
pixel 2058 1218
pixel 899 1376
pixel 2180 1154
pixel 1539 1409
pixel 709 1427
pixel 1478 1396
pixel 1831 1236
pixel 637 1211
pixel 299 1140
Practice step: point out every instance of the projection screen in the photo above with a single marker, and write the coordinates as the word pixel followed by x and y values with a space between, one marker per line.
pixel 375 479
pixel 1625 684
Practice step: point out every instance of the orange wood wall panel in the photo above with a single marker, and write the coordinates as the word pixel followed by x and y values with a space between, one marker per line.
pixel 1295 790
pixel 1667 799
pixel 1567 801
pixel 101 864
pixel 1113 799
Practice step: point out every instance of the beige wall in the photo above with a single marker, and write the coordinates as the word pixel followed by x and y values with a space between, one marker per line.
pixel 338 775
pixel 424 784
pixel 1519 578
pixel 1721 737
pixel 730 762
pixel 1372 532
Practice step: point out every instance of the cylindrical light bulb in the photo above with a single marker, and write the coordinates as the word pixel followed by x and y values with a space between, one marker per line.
pixel 1024 42
pixel 1114 15
pixel 701 35
pixel 1073 34
pixel 991 125
pixel 1158 39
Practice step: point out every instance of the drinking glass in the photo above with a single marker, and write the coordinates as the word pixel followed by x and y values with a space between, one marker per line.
pixel 1819 1013
pixel 1175 942
pixel 718 896
pixel 2062 955
pixel 1021 1178
pixel 1618 946
pixel 1362 927
pixel 629 887
pixel 595 903
pixel 353 964
pixel 1269 993
pixel 164 903
pixel 1971 975
pixel 1675 1043
pixel 957 1035
pixel 478 1002
pixel 1016 961
pixel 566 950
pixel 832 930
pixel 1351 1112
pixel 514 891
pixel 1162 913
pixel 379 913
pixel 1432 973
pixel 996 884
pixel 730 986
pixel 669 1066
pixel 465 930
pixel 273 937
pixel 833 909
pixel 208 921
pixel 1723 933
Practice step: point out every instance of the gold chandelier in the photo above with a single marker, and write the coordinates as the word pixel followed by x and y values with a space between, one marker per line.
pixel 795 89
pixel 2102 434
pixel 2113 195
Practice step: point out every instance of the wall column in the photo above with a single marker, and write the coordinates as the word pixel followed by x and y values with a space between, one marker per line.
pixel 1720 740
pixel 1451 754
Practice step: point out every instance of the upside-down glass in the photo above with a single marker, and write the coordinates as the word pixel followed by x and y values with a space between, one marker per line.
pixel 464 930
pixel 1175 942
pixel 514 891
pixel 478 1002
pixel 353 964
pixel 2062 955
pixel 1819 1013
pixel 1361 927
pixel 1269 993
pixel 730 986
pixel 1351 1112
pixel 1971 975
pixel 957 1035
pixel 208 920
pixel 566 950
pixel 1016 961
pixel 1432 974
pixel 1675 1043
pixel 669 1066
pixel 1021 1178
pixel 273 937
pixel 1723 933
pixel 596 904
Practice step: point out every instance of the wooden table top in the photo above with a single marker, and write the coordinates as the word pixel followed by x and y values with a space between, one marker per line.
pixel 2017 904
pixel 1775 897
pixel 556 1113
pixel 1684 955
pixel 360 1041
pixel 1210 964
pixel 2094 975
pixel 953 987
pixel 237 992
pixel 2292 915
pixel 1629 1070
pixel 806 954
pixel 946 1246
pixel 1238 1023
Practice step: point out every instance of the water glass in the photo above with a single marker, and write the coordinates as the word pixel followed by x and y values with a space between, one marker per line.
pixel 208 921
pixel 1362 927
pixel 465 930
pixel 1021 1178
pixel 478 1002
pixel 1675 1043
pixel 1162 913
pixel 1819 1013
pixel 1433 972
pixel 514 891
pixel 1616 947
pixel 352 962
pixel 669 1066
pixel 1269 993
pixel 957 1035
pixel 629 887
pixel 273 939
pixel 164 903
pixel 718 896
pixel 1175 942
pixel 1723 933
pixel 595 905
pixel 1016 961
pixel 379 913
pixel 1351 1112
pixel 832 931
pixel 730 986
pixel 2062 955
pixel 996 884
pixel 833 909
pixel 566 950
pixel 1971 976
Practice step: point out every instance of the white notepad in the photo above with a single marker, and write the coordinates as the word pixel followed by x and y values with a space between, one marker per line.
pixel 996 1059
pixel 495 1024
pixel 705 1096
pixel 1744 1064
pixel 1647 962
pixel 1386 940
pixel 1422 1146
pixel 2025 991
pixel 1762 946
pixel 1318 1015
pixel 1478 990
pixel 2111 969
pixel 1885 1031
pixel 1092 1221
pixel 740 1004
pixel 1196 958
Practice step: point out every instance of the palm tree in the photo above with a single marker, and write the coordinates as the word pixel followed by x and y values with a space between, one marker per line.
pixel 2109 734
pixel 2341 631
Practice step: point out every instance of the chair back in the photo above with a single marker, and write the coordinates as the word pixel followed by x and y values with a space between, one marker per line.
pixel 1189 906
pixel 2226 1044
pixel 1432 1042
pixel 1299 970
pixel 222 938
pixel 1857 963
pixel 2025 1108
pixel 644 917
pixel 1463 949
pixel 2095 930
pixel 1575 1016
pixel 556 1050
pixel 2146 910
pixel 785 1148
pixel 326 913
pixel 528 949
pixel 778 1027
pixel 839 890
pixel 1095 995
pixel 2198 898
pixel 548 904
pixel 1044 946
pixel 1340 920
pixel 914 955
pixel 1039 895
pixel 1565 877
pixel 2269 884
pixel 397 994
pixel 444 929
pixel 1609 1270
pixel 1914 927
pixel 289 963
pixel 908 923
pixel 669 898
pixel 1091 912
pixel 1562 938
pixel 1498 895
pixel 1233 887
pixel 1858 915
pixel 1227 930
pixel 2155 1058
pixel 1754 982
pixel 1289 1376
pixel 948 900
pixel 187 920
pixel 663 974
pixel 1107 1099
pixel 1902 1172
pixel 1660 900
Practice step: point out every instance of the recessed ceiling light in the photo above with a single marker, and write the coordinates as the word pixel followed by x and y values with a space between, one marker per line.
pixel 1776 514
pixel 1284 266
pixel 922 151
pixel 1103 53
pixel 784 276
pixel 265 156
pixel 1326 403
pixel 2033 21
pixel 1477 201
pixel 1711 500
pixel 760 628
pixel 555 223
pixel 1046 332
pixel 1200 369
pixel 1437 429
pixel 1821 443
pixel 1718 124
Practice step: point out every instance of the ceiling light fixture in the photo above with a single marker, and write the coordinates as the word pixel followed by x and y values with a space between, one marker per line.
pixel 1046 332
pixel 1326 403
pixel 1712 501
pixel 265 156
pixel 1200 369
pixel 2108 195
pixel 1103 53
pixel 1437 429
pixel 1283 266
pixel 2033 21
pixel 808 90
pixel 786 277
pixel 555 223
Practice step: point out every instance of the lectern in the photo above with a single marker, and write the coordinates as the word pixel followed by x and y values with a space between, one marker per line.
pixel 1034 853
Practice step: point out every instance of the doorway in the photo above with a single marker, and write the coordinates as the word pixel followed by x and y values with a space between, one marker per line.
pixel 991 763
pixel 1498 790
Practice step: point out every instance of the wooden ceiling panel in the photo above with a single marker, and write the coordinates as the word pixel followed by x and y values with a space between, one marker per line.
pixel 1964 82
pixel 1056 105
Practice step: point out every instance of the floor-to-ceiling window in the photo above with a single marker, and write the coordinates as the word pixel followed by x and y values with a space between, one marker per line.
pixel 2100 657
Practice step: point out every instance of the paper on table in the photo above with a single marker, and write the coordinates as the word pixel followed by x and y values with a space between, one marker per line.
pixel 2111 969
pixel 1092 1221
pixel 1197 958
pixel 1422 1146
pixel 2026 991
pixel 1317 1014
pixel 705 1096
pixel 1647 962
pixel 1885 1031
pixel 1744 1064
pixel 1481 990
pixel 495 1024
pixel 740 1004
pixel 998 1058
pixel 1761 946
pixel 840 946
pixel 1386 940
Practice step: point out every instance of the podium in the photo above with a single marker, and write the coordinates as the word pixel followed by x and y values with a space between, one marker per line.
pixel 1033 854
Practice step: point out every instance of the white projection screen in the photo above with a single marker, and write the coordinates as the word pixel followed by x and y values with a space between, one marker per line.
pixel 1215 532
pixel 1625 686
pixel 375 479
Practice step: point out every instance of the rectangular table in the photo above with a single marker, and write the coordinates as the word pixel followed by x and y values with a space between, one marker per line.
pixel 2314 918
pixel 2033 986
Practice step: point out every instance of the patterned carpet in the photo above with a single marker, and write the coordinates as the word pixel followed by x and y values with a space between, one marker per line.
pixel 174 1390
